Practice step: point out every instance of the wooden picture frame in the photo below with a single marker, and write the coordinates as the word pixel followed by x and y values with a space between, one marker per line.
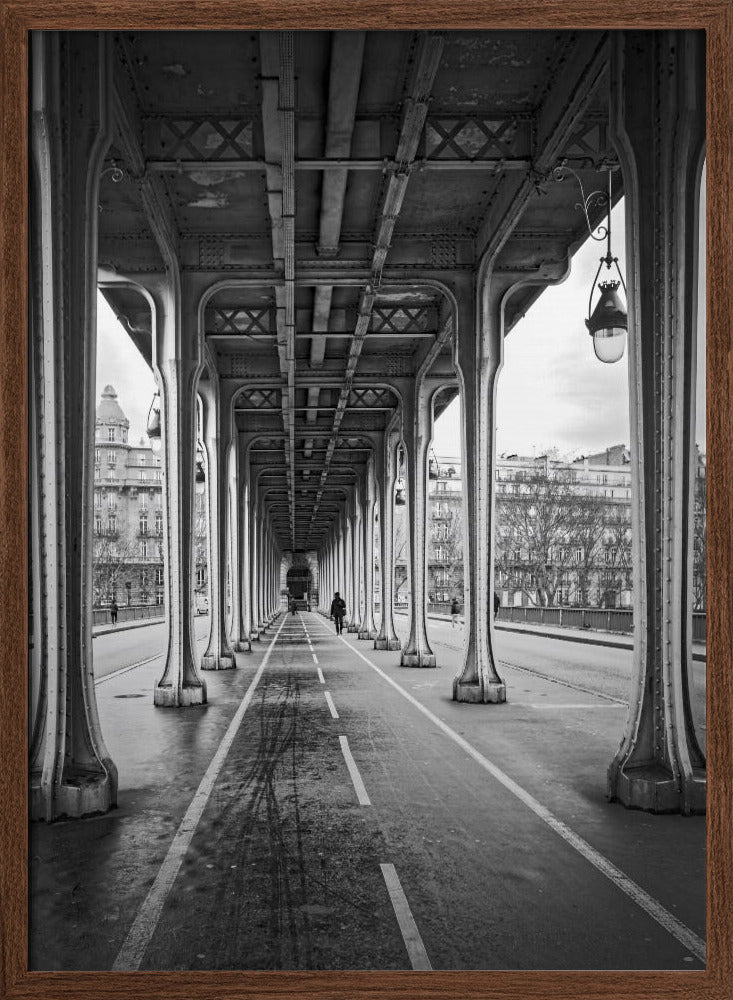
pixel 17 19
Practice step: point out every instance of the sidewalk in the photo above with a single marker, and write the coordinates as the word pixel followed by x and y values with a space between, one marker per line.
pixel 123 626
pixel 593 637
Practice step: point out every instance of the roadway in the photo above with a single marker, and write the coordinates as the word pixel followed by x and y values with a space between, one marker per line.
pixel 330 810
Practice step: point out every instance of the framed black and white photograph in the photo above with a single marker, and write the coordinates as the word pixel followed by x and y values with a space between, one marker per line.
pixel 360 369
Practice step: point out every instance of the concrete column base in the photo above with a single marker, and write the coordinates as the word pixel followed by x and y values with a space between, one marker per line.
pixel 254 636
pixel 167 696
pixel 367 635
pixel 418 660
pixel 217 662
pixel 84 795
pixel 387 644
pixel 654 789
pixel 352 628
pixel 479 694
pixel 243 646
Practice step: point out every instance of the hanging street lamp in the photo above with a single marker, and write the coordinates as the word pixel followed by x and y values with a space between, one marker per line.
pixel 608 323
pixel 154 429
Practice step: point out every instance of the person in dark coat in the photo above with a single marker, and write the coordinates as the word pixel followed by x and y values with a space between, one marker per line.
pixel 497 604
pixel 113 609
pixel 455 610
pixel 338 610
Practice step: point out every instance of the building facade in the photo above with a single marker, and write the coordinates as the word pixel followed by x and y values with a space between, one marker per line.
pixel 128 512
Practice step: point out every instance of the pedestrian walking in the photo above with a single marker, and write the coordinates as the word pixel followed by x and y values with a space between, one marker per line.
pixel 113 609
pixel 497 604
pixel 338 610
pixel 455 610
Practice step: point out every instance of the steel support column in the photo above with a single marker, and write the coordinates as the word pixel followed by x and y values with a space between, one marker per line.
pixel 418 433
pixel 367 628
pixel 72 773
pixel 478 359
pixel 658 125
pixel 386 480
pixel 219 654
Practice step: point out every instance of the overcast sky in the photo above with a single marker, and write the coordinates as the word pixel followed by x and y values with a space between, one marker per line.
pixel 552 392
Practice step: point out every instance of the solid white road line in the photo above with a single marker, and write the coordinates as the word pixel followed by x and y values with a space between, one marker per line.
pixel 410 934
pixel 321 678
pixel 361 792
pixel 331 706
pixel 133 666
pixel 133 948
pixel 559 704
pixel 686 936
pixel 315 658
pixel 130 666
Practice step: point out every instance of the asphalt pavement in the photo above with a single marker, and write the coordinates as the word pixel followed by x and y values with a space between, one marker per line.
pixel 328 809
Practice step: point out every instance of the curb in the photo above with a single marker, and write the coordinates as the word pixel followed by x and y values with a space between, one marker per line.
pixel 124 626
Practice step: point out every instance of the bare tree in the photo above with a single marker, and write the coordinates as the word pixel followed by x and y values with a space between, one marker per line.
pixel 111 558
pixel 534 516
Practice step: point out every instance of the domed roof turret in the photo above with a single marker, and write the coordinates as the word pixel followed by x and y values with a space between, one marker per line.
pixel 109 411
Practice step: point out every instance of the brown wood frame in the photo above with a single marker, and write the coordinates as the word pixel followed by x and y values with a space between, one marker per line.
pixel 17 18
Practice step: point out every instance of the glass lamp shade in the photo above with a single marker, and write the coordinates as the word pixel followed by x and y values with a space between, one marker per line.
pixel 400 497
pixel 153 429
pixel 609 344
pixel 608 324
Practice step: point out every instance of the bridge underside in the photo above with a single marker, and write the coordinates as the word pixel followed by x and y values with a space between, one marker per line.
pixel 323 238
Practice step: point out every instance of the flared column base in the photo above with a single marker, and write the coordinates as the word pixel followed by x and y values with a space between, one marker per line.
pixel 85 795
pixel 352 628
pixel 367 633
pixel 209 662
pixel 652 788
pixel 243 646
pixel 418 660
pixel 476 693
pixel 167 696
pixel 387 644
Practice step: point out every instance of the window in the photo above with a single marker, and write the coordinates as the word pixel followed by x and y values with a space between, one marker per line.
pixel 141 476
pixel 97 499
pixel 98 525
pixel 97 455
pixel 143 524
pixel 143 549
pixel 111 434
pixel 159 577
pixel 111 501
pixel 143 501
pixel 579 554
pixel 112 524
pixel 159 522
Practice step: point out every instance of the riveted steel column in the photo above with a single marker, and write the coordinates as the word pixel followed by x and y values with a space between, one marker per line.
pixel 72 773
pixel 367 628
pixel 355 574
pixel 387 478
pixel 418 432
pixel 243 517
pixel 177 370
pixel 219 654
pixel 238 635
pixel 478 359
pixel 658 124
pixel 254 549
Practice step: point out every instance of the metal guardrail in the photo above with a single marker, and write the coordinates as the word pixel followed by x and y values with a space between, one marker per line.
pixel 603 619
pixel 102 616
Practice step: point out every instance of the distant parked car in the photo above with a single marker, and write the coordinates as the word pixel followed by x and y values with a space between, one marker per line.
pixel 202 604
